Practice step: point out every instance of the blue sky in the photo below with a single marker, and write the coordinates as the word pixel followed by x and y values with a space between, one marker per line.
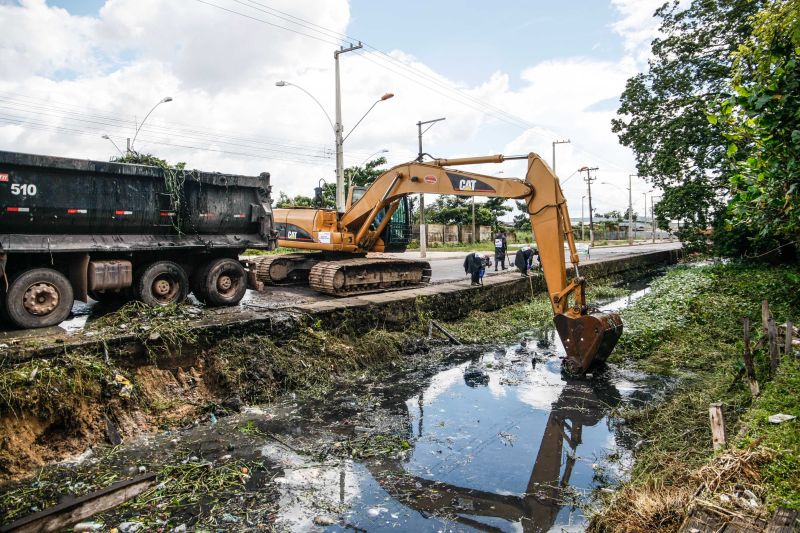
pixel 507 36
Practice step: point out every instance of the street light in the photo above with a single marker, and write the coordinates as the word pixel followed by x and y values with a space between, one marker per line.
pixel 105 136
pixel 337 132
pixel 630 204
pixel 162 101
pixel 582 199
pixel 565 141
pixel 369 158
pixel 653 213
pixel 423 230
pixel 288 84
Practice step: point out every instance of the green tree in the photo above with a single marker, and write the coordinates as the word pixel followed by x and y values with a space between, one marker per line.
pixel 522 221
pixel 662 116
pixel 457 210
pixel 761 120
pixel 357 176
pixel 363 176
pixel 497 207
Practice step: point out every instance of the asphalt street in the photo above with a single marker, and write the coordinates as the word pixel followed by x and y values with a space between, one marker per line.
pixel 448 266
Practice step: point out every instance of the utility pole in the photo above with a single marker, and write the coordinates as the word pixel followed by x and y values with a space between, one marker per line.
pixel 338 130
pixel 589 179
pixel 582 198
pixel 630 208
pixel 423 227
pixel 565 141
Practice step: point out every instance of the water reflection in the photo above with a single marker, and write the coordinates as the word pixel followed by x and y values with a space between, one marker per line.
pixel 474 444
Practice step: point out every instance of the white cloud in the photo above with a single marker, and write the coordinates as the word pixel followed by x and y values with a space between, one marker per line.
pixel 79 74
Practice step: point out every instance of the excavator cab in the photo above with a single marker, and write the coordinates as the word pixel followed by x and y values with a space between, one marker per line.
pixel 397 233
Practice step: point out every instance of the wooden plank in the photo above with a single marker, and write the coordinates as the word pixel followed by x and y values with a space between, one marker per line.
pixel 774 357
pixel 748 359
pixel 745 524
pixel 445 332
pixel 717 425
pixel 70 513
pixel 784 521
pixel 703 520
pixel 787 343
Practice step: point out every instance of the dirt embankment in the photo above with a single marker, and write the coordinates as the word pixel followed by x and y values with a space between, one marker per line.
pixel 54 408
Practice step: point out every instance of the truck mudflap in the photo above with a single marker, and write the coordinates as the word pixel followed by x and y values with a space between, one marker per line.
pixel 587 339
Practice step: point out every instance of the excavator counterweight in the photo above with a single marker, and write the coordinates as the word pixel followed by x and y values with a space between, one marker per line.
pixel 343 268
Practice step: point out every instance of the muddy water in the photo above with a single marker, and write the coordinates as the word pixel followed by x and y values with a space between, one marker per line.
pixel 490 438
pixel 499 442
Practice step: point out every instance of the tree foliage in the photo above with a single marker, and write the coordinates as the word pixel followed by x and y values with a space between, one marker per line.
pixel 662 116
pixel 761 122
pixel 457 210
pixel 356 175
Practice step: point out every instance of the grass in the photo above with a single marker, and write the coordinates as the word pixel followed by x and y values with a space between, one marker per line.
pixel 158 328
pixel 257 369
pixel 689 326
pixel 512 322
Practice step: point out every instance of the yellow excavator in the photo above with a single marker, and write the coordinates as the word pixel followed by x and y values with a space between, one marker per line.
pixel 377 219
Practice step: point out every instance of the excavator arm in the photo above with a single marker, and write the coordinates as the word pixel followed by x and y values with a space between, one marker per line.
pixel 587 337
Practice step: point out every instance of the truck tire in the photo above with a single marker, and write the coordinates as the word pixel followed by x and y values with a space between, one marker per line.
pixel 220 282
pixel 161 283
pixel 39 298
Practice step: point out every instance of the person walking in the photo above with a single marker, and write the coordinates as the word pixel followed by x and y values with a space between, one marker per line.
pixel 473 264
pixel 500 250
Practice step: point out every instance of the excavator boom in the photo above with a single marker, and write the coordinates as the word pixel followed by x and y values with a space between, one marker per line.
pixel 587 337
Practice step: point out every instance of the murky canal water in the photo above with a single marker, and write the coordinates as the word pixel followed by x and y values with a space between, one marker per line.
pixel 490 438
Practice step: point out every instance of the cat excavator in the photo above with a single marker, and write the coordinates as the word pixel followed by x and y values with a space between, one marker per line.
pixel 377 219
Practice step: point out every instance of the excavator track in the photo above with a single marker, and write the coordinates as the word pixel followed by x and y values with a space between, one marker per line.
pixel 350 277
pixel 284 269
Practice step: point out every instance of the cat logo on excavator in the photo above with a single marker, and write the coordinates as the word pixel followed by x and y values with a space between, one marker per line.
pixel 466 185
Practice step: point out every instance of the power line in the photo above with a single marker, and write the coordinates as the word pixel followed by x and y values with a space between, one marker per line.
pixel 72 131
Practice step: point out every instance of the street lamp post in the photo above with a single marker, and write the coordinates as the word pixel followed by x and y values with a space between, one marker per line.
pixel 106 137
pixel 162 101
pixel 423 227
pixel 653 214
pixel 337 128
pixel 564 141
pixel 630 208
pixel 582 199
pixel 630 205
pixel 589 180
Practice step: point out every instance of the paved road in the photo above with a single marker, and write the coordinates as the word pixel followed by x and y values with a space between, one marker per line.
pixel 450 265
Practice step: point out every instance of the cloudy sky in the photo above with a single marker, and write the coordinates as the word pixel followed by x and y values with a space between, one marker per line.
pixel 510 77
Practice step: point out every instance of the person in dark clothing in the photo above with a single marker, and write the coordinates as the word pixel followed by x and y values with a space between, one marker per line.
pixel 473 264
pixel 522 260
pixel 500 249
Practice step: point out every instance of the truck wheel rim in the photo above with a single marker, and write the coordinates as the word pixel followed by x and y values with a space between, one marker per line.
pixel 164 289
pixel 41 299
pixel 224 283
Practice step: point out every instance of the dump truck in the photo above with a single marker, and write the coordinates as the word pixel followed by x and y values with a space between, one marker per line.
pixel 73 229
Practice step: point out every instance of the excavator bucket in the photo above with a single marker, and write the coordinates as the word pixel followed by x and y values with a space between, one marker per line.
pixel 587 339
